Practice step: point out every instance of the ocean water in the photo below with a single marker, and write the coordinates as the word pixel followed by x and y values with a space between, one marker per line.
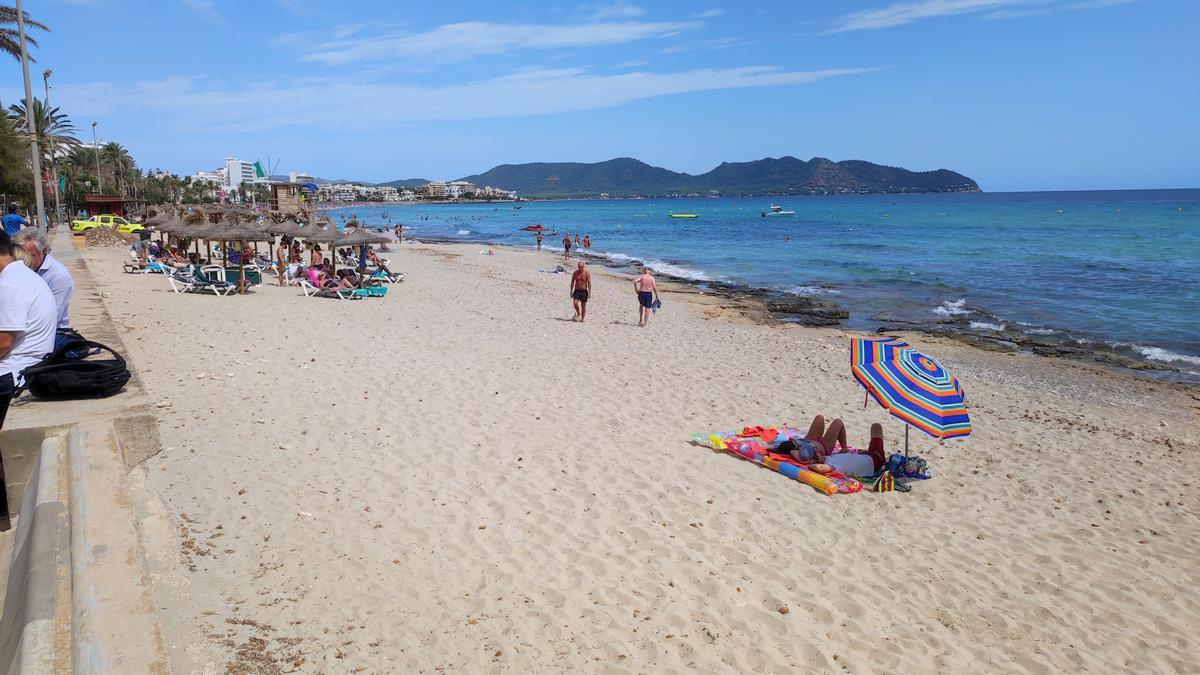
pixel 1120 268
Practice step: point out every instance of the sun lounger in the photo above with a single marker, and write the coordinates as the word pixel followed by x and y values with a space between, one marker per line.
pixel 339 293
pixel 380 275
pixel 183 282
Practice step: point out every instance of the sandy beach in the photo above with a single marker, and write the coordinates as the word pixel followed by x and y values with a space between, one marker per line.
pixel 459 478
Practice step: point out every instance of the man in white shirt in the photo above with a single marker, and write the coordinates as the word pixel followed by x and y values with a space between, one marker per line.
pixel 28 317
pixel 33 248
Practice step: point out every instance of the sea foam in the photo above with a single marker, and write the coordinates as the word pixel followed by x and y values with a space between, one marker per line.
pixel 955 308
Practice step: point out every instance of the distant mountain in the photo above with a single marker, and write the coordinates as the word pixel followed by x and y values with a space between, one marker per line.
pixel 404 183
pixel 626 177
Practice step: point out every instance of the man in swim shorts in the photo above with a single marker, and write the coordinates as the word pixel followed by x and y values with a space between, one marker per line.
pixel 647 293
pixel 581 290
pixel 567 245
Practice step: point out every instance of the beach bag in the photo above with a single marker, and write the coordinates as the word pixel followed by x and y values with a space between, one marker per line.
pixel 60 377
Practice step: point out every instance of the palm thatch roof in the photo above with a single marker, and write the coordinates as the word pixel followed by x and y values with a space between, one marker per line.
pixel 320 235
pixel 359 237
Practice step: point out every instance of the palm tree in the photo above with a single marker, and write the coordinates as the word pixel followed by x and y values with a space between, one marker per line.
pixel 14 162
pixel 9 37
pixel 77 168
pixel 119 163
pixel 52 126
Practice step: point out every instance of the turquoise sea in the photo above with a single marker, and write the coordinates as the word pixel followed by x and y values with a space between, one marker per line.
pixel 1114 268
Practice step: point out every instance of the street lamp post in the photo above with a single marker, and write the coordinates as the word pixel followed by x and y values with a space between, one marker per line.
pixel 96 151
pixel 30 125
pixel 50 137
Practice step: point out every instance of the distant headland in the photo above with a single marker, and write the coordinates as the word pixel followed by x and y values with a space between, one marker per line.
pixel 627 177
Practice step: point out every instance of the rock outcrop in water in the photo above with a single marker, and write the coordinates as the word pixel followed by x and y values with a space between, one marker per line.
pixel 626 177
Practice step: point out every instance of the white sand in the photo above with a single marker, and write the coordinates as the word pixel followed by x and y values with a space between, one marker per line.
pixel 456 477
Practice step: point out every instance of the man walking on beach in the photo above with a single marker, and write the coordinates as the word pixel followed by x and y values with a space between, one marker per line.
pixel 539 238
pixel 581 290
pixel 647 293
pixel 567 245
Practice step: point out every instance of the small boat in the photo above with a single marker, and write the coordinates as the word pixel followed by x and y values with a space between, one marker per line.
pixel 777 210
pixel 685 215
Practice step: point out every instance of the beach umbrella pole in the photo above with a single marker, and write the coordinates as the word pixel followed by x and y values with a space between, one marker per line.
pixel 906 446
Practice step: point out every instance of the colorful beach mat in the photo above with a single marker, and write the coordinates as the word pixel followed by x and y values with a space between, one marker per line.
pixel 755 445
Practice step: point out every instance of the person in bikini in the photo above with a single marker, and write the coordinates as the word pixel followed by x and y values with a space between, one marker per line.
pixel 581 290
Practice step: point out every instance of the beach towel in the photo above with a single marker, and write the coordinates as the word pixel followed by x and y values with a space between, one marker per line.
pixel 752 448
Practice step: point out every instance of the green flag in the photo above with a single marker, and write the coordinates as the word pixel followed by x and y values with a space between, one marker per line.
pixel 258 171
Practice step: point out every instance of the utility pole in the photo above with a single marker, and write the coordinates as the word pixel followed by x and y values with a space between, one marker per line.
pixel 30 125
pixel 96 150
pixel 50 137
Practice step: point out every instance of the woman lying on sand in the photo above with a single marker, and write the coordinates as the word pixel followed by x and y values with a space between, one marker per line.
pixel 820 443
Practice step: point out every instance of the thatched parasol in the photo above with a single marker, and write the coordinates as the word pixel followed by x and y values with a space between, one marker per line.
pixel 319 235
pixel 289 226
pixel 242 234
pixel 361 239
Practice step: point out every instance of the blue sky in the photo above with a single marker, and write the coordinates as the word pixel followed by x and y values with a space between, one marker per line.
pixel 1018 94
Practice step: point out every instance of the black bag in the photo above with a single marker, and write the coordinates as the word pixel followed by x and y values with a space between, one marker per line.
pixel 59 376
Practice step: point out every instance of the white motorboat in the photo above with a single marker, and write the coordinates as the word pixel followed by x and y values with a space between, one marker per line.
pixel 777 210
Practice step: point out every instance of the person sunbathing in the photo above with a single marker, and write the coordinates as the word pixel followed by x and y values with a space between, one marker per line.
pixel 377 261
pixel 825 445
pixel 346 281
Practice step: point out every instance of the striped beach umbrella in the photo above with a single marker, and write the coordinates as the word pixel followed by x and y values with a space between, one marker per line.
pixel 911 386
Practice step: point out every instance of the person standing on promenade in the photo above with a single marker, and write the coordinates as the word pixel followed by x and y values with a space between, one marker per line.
pixel 13 221
pixel 647 293
pixel 567 245
pixel 581 291
pixel 539 237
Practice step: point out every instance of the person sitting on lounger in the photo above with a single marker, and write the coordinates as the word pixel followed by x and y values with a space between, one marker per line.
pixel 377 261
pixel 346 280
pixel 828 445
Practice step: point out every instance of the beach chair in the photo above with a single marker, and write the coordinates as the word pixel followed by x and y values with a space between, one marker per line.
pixel 214 272
pixel 311 291
pixel 184 282
pixel 380 275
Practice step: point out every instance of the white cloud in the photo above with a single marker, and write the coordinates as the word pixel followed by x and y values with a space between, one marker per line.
pixel 470 39
pixel 193 105
pixel 618 10
pixel 901 13
pixel 708 14
pixel 207 9
pixel 1054 9
pixel 297 7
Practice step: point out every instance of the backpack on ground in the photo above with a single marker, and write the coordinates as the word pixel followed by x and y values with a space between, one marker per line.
pixel 59 376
